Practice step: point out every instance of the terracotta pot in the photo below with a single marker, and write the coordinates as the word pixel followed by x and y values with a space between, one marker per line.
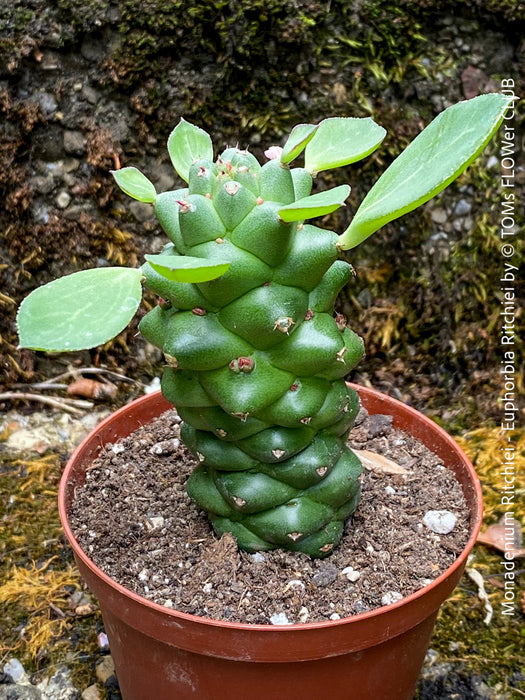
pixel 163 654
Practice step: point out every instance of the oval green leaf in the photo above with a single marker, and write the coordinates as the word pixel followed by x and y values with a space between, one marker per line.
pixel 184 268
pixel 297 141
pixel 135 184
pixel 315 205
pixel 81 310
pixel 436 157
pixel 186 144
pixel 341 140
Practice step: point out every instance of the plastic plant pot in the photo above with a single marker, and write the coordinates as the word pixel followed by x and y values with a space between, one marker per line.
pixel 164 654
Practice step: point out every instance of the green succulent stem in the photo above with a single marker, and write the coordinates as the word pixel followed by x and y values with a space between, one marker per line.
pixel 256 356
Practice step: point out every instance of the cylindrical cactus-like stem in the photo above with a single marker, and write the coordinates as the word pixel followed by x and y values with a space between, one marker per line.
pixel 256 358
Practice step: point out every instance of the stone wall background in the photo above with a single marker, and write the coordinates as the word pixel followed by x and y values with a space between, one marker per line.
pixel 86 85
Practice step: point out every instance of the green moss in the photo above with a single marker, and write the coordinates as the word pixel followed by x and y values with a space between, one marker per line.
pixel 84 15
pixel 37 573
pixel 507 11
pixel 260 53
pixel 493 651
pixel 15 18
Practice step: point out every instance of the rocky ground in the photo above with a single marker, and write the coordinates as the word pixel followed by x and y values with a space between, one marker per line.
pixel 88 86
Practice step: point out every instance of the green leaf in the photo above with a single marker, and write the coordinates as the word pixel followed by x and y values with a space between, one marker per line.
pixel 341 140
pixel 315 205
pixel 186 144
pixel 183 268
pixel 297 141
pixel 436 157
pixel 135 184
pixel 81 310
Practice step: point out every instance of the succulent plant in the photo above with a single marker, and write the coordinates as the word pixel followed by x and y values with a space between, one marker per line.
pixel 256 357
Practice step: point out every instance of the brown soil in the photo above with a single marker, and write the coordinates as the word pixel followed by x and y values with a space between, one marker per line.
pixel 136 522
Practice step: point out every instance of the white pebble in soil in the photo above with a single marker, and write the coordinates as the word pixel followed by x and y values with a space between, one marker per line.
pixel 351 574
pixel 440 521
pixel 279 619
pixel 391 597
pixel 294 583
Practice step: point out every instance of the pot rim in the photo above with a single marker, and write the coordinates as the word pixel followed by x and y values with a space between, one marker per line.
pixel 476 521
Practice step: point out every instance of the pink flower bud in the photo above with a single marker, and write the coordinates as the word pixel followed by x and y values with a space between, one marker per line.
pixel 273 153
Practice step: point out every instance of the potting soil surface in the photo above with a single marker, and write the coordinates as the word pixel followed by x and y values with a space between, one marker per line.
pixel 136 522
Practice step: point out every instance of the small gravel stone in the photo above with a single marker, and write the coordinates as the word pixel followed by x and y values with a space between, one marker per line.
pixel 326 575
pixel 48 103
pixel 295 583
pixel 166 447
pixel 391 597
pixel 438 216
pixel 19 691
pixel 59 686
pixel 55 170
pixel 41 214
pixel 462 208
pixel 70 165
pixel 43 184
pixel 379 425
pixel 467 223
pixel 91 693
pixel 360 607
pixel 351 574
pixel 103 641
pixel 74 142
pixel 90 94
pixel 105 669
pixel 14 669
pixel 155 522
pixel 279 619
pixel 63 200
pixel 117 448
pixel 440 521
